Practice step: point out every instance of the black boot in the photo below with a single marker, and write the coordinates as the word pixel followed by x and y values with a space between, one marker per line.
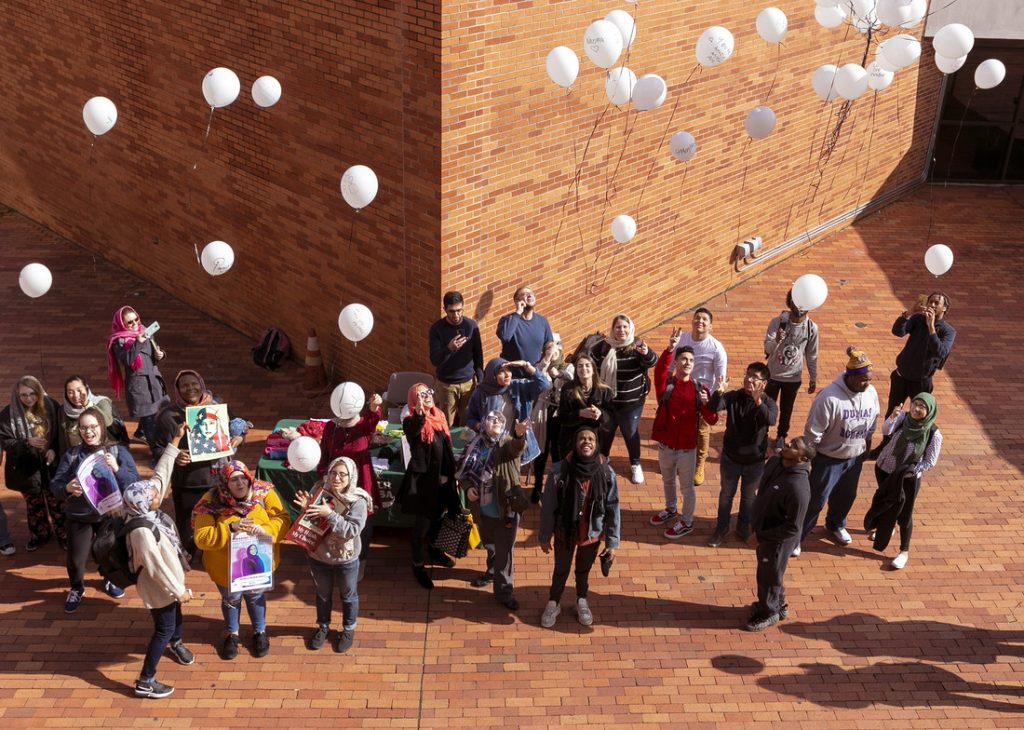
pixel 422 578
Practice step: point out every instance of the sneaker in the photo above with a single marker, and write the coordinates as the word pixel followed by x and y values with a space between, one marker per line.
pixel 34 543
pixel 182 654
pixel 112 590
pixel 509 602
pixel 437 557
pixel 784 612
pixel 761 622
pixel 678 530
pixel 900 561
pixel 795 553
pixel 482 580
pixel 345 640
pixel 74 598
pixel 260 644
pixel 229 649
pixel 422 578
pixel 152 689
pixel 717 539
pixel 698 475
pixel 841 536
pixel 583 614
pixel 636 474
pixel 662 517
pixel 317 640
pixel 550 615
pixel 7 549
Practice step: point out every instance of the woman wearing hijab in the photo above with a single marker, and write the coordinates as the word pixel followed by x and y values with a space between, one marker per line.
pixel 623 362
pixel 82 518
pixel 239 503
pixel 580 506
pixel 132 371
pixel 77 397
pixel 29 429
pixel 190 481
pixel 336 559
pixel 428 487
pixel 913 448
pixel 156 555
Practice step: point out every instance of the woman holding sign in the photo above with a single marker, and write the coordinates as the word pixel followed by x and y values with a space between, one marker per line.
pixel 86 480
pixel 238 525
pixel 329 528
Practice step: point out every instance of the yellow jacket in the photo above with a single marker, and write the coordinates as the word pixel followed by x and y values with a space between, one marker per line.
pixel 213 535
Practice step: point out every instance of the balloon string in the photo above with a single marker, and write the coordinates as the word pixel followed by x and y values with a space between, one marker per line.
pixel 190 181
pixel 351 232
pixel 775 76
pixel 960 127
pixel 743 186
pixel 627 131
pixel 575 156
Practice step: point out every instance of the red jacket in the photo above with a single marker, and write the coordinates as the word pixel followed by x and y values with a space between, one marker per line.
pixel 675 423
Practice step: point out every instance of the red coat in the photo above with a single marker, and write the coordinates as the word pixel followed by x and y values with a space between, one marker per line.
pixel 353 442
pixel 675 423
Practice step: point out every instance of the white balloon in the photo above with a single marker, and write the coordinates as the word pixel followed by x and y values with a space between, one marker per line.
pixel 989 74
pixel 221 87
pixel 772 24
pixel 809 292
pixel 563 66
pixel 949 65
pixel 619 85
pixel 892 12
pixel 829 16
pixel 885 63
pixel 649 92
pixel 266 91
pixel 100 115
pixel 760 122
pixel 304 454
pixel 953 40
pixel 217 258
pixel 35 280
pixel 603 43
pixel 878 77
pixel 355 322
pixel 901 50
pixel 626 25
pixel 347 400
pixel 863 14
pixel 714 46
pixel 918 10
pixel 827 3
pixel 824 82
pixel 359 186
pixel 623 228
pixel 683 146
pixel 851 81
pixel 938 259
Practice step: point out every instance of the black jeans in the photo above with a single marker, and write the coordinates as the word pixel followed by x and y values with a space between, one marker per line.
pixel 772 558
pixel 166 630
pixel 423 530
pixel 786 401
pixel 80 537
pixel 585 557
pixel 901 388
pixel 147 424
pixel 911 486
pixel 550 446
pixel 185 501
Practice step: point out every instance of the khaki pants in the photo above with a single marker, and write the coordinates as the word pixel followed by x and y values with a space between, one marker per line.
pixel 703 441
pixel 453 399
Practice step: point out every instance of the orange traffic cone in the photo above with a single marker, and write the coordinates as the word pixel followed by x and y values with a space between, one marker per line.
pixel 314 382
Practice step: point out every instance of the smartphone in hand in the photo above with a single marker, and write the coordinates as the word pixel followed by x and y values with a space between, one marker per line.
pixel 151 330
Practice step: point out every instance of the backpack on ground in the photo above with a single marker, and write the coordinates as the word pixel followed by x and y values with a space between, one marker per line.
pixel 110 549
pixel 274 347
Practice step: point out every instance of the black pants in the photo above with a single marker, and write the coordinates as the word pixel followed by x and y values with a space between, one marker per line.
pixel 550 446
pixel 185 501
pixel 900 389
pixel 166 630
pixel 772 559
pixel 423 530
pixel 905 520
pixel 786 401
pixel 585 557
pixel 80 537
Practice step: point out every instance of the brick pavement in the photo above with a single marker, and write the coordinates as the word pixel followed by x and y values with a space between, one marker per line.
pixel 937 645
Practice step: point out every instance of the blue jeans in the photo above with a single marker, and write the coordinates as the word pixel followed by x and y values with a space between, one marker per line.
pixel 833 481
pixel 255 604
pixel 627 419
pixel 747 476
pixel 324 577
pixel 166 630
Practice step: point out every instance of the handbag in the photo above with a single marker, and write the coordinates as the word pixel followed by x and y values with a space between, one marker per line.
pixel 453 536
pixel 474 534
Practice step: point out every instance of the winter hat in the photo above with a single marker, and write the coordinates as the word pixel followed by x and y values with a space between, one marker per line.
pixel 859 363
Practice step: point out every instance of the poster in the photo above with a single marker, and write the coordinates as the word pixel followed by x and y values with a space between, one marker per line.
pixel 99 484
pixel 252 562
pixel 309 531
pixel 208 437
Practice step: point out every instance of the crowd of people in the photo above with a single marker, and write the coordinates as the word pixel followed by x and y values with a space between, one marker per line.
pixel 531 406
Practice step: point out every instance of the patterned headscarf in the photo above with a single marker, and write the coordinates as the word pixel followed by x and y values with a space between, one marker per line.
pixel 221 503
pixel 138 498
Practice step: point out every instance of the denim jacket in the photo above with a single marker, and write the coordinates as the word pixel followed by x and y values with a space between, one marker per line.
pixel 523 393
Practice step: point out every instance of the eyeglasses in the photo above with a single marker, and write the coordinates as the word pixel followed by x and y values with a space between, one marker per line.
pixel 495 419
pixel 338 476
pixel 130 322
pixel 428 393
pixel 93 427
pixel 754 378
pixel 27 394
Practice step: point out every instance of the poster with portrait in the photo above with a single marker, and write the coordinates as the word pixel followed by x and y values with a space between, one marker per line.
pixel 208 437
pixel 99 484
pixel 252 562
pixel 309 530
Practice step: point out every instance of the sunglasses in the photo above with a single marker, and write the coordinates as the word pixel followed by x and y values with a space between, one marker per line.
pixel 428 393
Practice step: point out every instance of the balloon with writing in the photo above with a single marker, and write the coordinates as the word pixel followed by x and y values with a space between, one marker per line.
pixel 355 322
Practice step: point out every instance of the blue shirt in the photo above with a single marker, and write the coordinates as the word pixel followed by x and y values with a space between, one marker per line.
pixel 524 339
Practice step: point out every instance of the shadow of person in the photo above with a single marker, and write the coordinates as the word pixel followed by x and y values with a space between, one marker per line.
pixel 867 635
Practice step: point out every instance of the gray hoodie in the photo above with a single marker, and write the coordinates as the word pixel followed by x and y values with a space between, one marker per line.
pixel 786 358
pixel 841 421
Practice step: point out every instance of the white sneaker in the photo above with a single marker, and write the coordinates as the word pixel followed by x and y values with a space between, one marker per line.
pixel 636 474
pixel 551 611
pixel 841 536
pixel 583 614
pixel 900 561
pixel 795 553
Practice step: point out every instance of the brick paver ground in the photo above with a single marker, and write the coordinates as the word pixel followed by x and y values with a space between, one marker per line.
pixel 936 645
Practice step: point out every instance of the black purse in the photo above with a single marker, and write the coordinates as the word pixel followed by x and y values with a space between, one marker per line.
pixel 453 537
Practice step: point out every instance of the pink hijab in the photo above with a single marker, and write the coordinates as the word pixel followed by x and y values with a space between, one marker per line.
pixel 119 331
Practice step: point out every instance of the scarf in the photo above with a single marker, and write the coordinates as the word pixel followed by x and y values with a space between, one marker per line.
pixel 221 503
pixel 91 401
pixel 578 470
pixel 119 331
pixel 137 498
pixel 343 501
pixel 207 398
pixel 610 365
pixel 490 385
pixel 22 422
pixel 913 432
pixel 434 419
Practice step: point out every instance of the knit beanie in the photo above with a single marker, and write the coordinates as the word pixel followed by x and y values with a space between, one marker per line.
pixel 859 363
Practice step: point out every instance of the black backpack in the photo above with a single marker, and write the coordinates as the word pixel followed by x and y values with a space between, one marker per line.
pixel 274 347
pixel 110 549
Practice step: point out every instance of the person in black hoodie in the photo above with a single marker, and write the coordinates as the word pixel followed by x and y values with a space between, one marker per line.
pixel 777 518
pixel 749 413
